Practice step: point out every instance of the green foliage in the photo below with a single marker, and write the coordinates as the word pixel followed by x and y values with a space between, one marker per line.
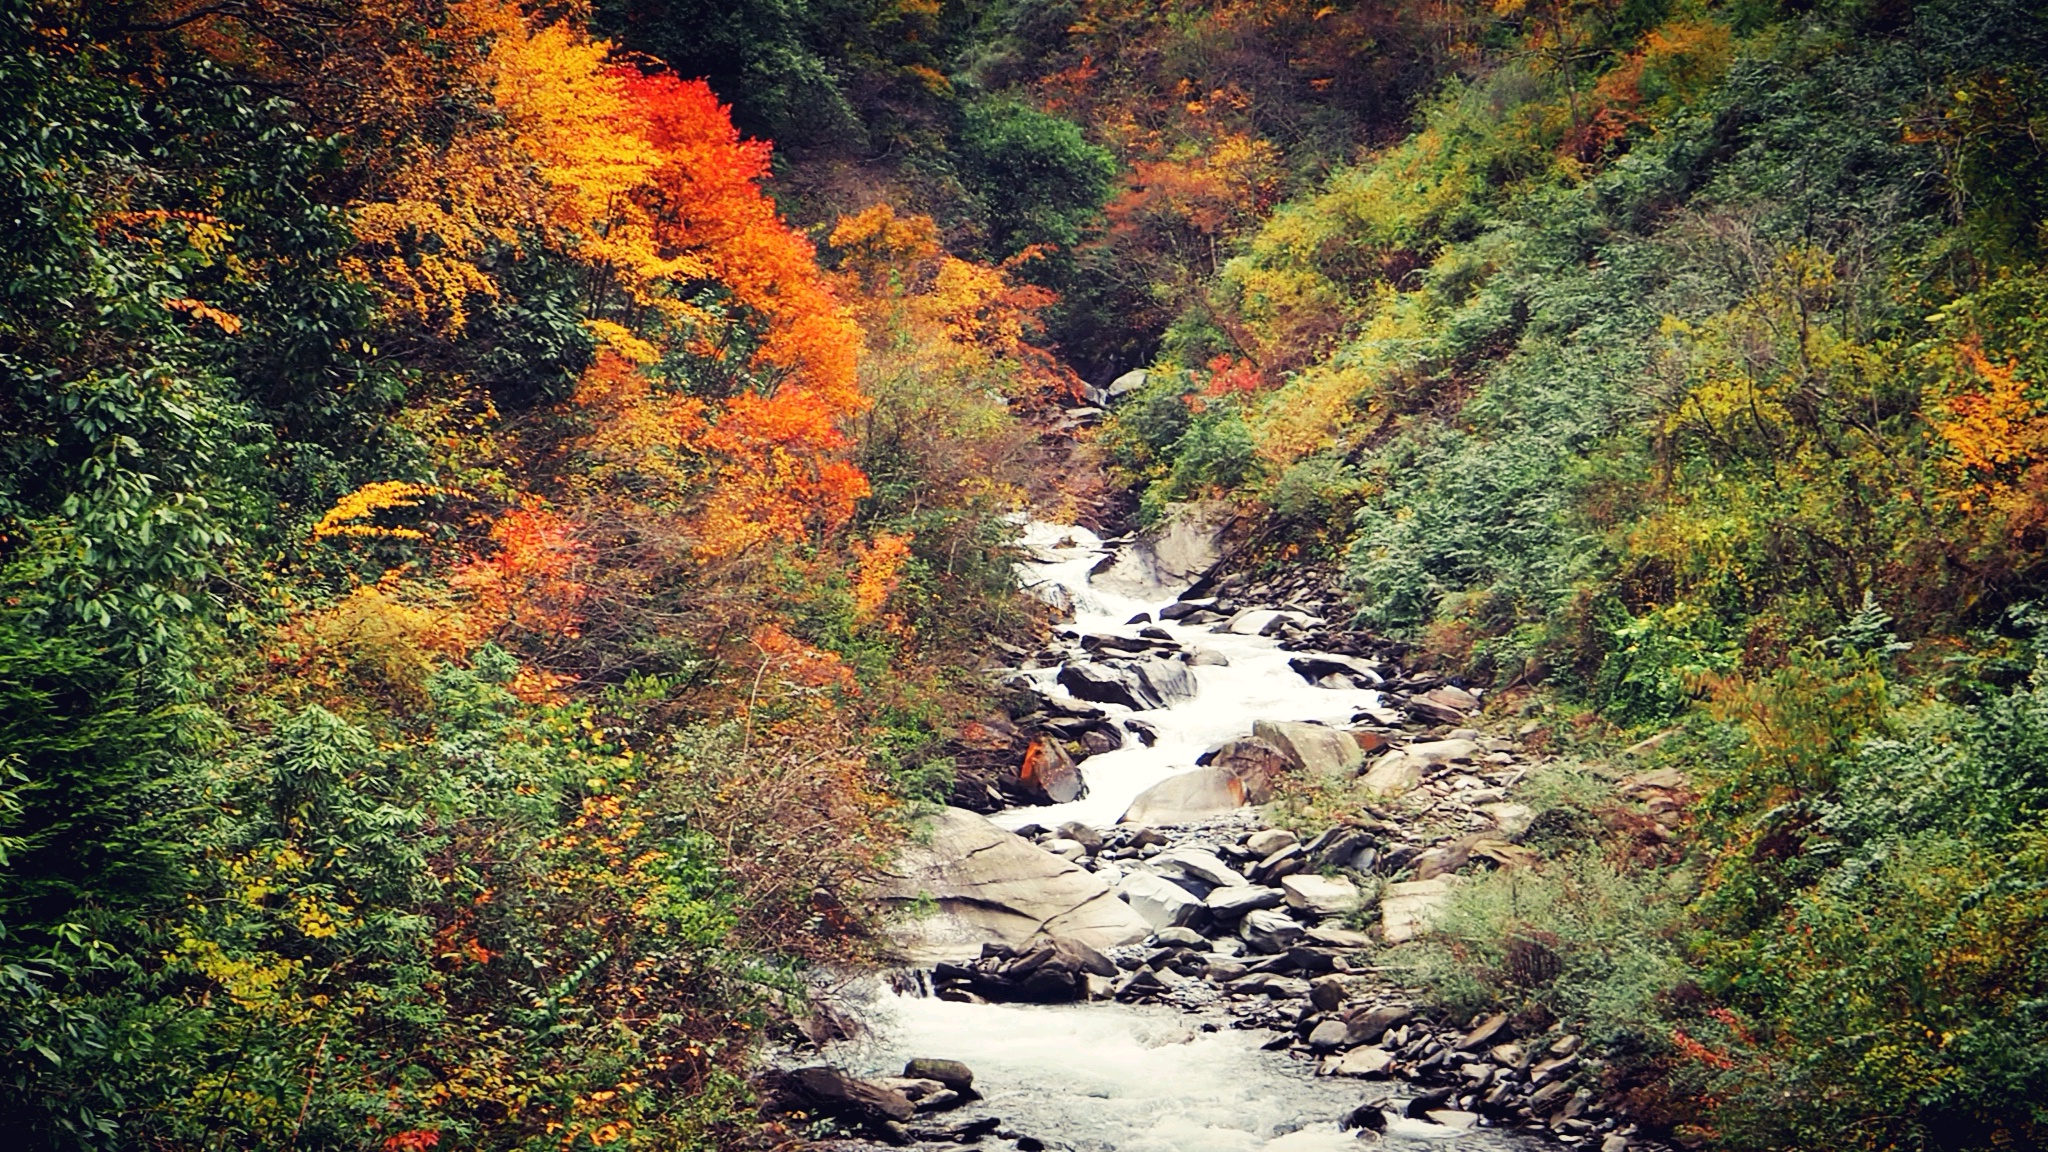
pixel 1590 940
pixel 1035 177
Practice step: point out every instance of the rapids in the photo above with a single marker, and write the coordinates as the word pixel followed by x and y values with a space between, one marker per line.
pixel 1109 1077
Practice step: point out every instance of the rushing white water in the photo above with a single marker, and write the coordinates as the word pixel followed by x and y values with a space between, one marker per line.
pixel 1107 1077
pixel 1256 685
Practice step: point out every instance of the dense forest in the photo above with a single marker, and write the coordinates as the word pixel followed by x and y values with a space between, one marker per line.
pixel 504 508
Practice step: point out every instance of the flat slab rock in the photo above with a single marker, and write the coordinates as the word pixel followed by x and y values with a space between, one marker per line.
pixel 1321 897
pixel 1409 909
pixel 990 885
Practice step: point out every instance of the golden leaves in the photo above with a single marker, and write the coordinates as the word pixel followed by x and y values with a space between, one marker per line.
pixel 344 519
pixel 200 310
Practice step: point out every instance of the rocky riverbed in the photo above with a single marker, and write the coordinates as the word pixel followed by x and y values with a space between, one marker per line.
pixel 1123 950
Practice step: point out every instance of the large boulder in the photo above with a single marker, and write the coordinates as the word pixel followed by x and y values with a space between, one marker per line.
pixel 1168 681
pixel 1137 684
pixel 1327 753
pixel 1107 684
pixel 1047 774
pixel 1043 970
pixel 1254 761
pixel 983 884
pixel 823 1091
pixel 1170 558
pixel 1185 797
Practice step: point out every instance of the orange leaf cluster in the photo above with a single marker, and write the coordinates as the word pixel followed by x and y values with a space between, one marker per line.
pixel 1997 435
pixel 527 582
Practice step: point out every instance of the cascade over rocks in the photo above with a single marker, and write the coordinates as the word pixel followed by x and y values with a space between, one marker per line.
pixel 1190 901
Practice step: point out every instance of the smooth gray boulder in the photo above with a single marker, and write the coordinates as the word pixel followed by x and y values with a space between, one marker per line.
pixel 1167 560
pixel 1187 796
pixel 983 884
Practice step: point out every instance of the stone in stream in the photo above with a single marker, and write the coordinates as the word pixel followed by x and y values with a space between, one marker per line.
pixel 1208 657
pixel 992 885
pixel 1187 796
pixel 926 1095
pixel 1257 763
pixel 1107 684
pixel 1159 902
pixel 952 1073
pixel 822 1090
pixel 1326 753
pixel 1168 681
pixel 1044 970
pixel 1101 738
pixel 1182 608
pixel 1047 774
pixel 1139 685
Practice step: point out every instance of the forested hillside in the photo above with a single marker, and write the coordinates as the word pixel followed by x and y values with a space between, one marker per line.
pixel 505 509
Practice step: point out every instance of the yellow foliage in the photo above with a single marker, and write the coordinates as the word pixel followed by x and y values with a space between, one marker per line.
pixel 377 496
pixel 630 348
pixel 389 631
pixel 880 567
pixel 1321 402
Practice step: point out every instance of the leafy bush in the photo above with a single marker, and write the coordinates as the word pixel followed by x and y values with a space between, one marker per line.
pixel 1589 940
